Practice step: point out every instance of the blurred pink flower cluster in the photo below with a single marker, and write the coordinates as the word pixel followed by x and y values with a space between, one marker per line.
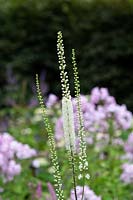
pixel 98 110
pixel 52 99
pixel 9 150
pixel 88 194
pixel 127 174
pixel 129 144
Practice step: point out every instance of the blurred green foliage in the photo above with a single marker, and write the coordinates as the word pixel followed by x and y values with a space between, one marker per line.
pixel 28 128
pixel 101 31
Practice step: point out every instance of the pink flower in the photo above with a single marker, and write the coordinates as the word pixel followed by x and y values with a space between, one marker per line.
pixel 129 144
pixel 127 175
pixel 39 191
pixel 52 192
pixel 9 150
pixel 52 99
pixel 95 95
pixel 88 194
pixel 59 129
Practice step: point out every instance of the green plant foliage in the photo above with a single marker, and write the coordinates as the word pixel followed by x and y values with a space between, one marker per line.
pixel 105 174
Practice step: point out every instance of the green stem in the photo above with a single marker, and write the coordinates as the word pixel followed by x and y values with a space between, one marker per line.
pixel 81 125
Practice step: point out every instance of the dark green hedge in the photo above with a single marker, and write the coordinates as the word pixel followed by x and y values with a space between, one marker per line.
pixel 100 31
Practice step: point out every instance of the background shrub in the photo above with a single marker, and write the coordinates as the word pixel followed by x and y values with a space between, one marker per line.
pixel 100 31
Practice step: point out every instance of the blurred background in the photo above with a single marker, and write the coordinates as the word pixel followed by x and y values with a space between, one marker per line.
pixel 101 31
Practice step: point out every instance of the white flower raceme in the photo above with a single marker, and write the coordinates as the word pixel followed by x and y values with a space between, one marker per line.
pixel 68 123
pixel 83 163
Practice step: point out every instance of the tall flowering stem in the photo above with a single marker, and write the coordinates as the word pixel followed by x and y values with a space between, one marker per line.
pixel 67 110
pixel 83 163
pixel 69 134
pixel 57 175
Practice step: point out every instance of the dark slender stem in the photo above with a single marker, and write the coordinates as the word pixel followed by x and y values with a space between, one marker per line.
pixel 83 181
pixel 83 192
pixel 73 174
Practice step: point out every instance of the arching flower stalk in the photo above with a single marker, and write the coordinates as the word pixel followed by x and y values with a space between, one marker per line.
pixel 83 163
pixel 67 110
pixel 57 175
